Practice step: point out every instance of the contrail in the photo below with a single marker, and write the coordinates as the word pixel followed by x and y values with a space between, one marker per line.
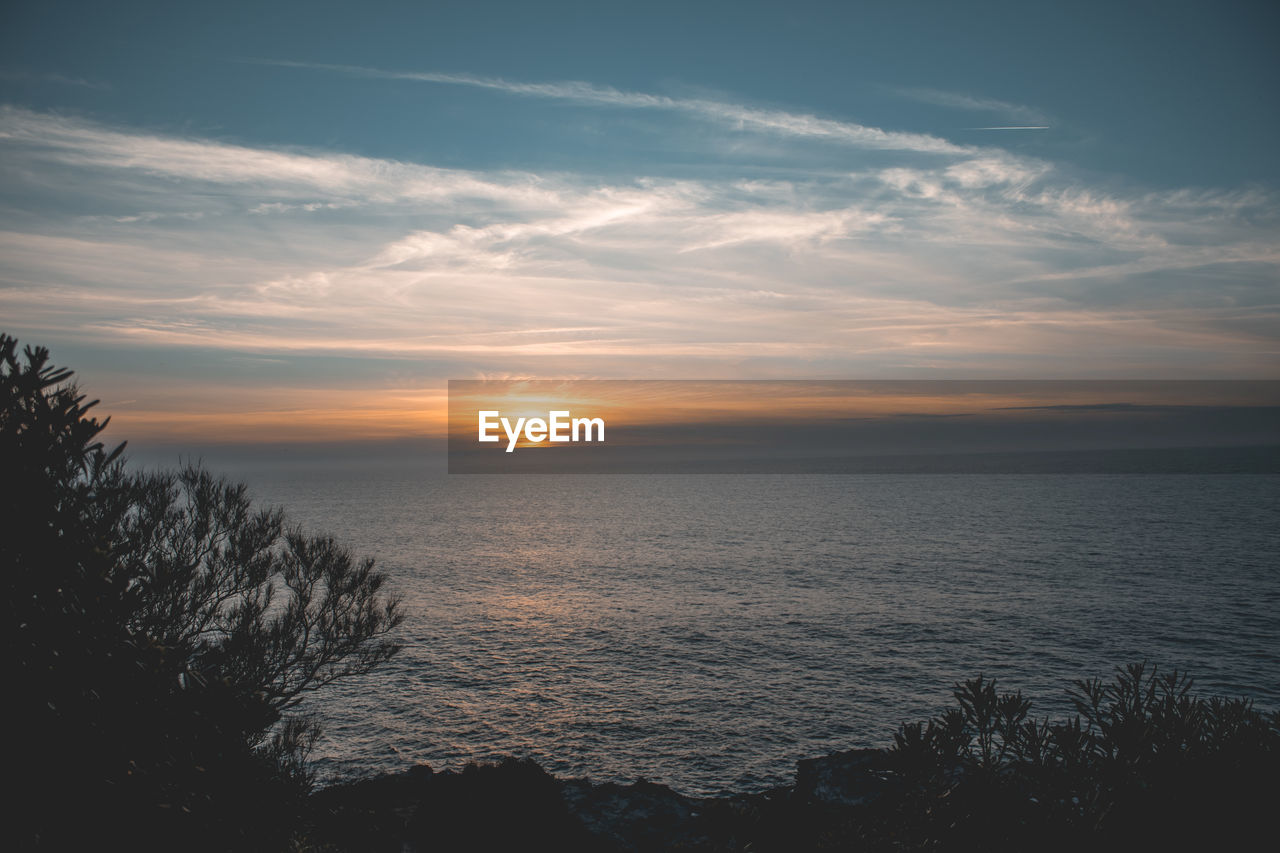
pixel 1015 127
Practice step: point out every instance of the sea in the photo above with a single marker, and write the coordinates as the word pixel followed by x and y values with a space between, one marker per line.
pixel 707 631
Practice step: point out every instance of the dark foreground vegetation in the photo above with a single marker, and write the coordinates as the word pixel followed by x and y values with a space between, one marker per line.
pixel 161 632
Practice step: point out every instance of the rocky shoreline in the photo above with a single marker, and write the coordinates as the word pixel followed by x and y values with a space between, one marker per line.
pixel 860 799
pixel 1143 766
pixel 515 804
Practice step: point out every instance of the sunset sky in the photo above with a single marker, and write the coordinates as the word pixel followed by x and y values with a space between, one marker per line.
pixel 239 224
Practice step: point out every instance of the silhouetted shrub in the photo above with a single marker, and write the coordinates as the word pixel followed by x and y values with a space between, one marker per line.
pixel 161 630
pixel 1144 763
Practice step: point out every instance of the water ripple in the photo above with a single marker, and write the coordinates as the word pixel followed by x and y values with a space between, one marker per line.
pixel 707 632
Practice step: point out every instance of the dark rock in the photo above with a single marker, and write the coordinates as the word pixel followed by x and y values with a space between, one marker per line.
pixel 852 778
pixel 640 816
pixel 514 805
pixel 370 814
pixel 517 805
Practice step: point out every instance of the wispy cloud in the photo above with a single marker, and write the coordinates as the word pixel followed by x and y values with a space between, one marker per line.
pixel 972 103
pixel 737 116
pixel 20 76
pixel 72 142
pixel 975 264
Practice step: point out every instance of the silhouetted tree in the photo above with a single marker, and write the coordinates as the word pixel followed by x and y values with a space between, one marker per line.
pixel 161 632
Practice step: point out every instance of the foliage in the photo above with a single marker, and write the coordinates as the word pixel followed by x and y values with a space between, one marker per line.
pixel 163 632
pixel 1144 762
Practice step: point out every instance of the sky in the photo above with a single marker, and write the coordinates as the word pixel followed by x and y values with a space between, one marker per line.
pixel 296 221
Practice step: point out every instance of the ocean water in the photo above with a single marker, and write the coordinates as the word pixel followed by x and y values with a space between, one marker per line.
pixel 708 631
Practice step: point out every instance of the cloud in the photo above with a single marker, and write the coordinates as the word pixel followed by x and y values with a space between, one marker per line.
pixel 19 76
pixel 978 263
pixel 268 172
pixel 735 116
pixel 971 103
